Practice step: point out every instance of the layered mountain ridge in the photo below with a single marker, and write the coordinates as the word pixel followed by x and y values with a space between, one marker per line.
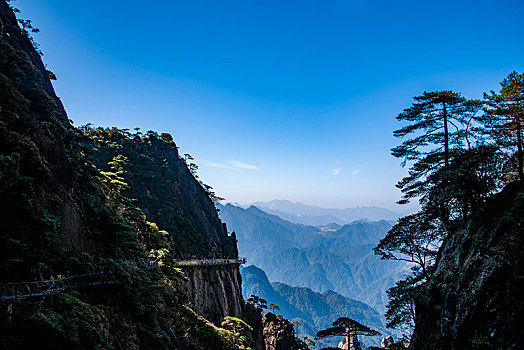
pixel 301 213
pixel 333 257
pixel 312 311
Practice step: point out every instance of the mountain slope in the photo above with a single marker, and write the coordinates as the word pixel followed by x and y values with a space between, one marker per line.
pixel 338 258
pixel 313 310
pixel 474 300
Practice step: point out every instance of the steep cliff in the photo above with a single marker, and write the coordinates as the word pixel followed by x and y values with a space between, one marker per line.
pixel 475 298
pixel 161 185
pixel 34 125
pixel 77 202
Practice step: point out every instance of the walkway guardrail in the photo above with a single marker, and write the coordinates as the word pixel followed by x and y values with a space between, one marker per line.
pixel 208 262
pixel 20 290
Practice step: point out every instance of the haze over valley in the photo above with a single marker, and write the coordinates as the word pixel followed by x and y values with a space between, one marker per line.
pixel 328 257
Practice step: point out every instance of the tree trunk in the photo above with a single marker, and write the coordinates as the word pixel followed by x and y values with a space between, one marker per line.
pixel 442 208
pixel 519 149
pixel 446 135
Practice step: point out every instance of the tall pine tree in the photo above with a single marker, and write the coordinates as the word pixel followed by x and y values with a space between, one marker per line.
pixel 504 117
pixel 438 122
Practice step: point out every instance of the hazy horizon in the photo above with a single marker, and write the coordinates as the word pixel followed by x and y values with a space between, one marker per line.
pixel 224 202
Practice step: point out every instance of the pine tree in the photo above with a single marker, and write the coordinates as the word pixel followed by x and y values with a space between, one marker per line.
pixel 415 239
pixel 274 307
pixel 504 116
pixel 439 122
pixel 349 328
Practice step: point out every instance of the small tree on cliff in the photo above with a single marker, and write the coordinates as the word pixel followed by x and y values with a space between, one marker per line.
pixel 400 313
pixel 235 334
pixel 273 307
pixel 257 302
pixel 347 327
pixel 415 238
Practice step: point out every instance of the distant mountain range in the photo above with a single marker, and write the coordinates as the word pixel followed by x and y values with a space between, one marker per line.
pixel 301 213
pixel 329 257
pixel 314 311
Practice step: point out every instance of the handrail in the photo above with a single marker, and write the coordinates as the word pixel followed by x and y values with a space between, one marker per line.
pixel 21 290
pixel 208 262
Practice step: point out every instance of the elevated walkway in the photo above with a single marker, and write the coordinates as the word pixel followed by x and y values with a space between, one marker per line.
pixel 21 290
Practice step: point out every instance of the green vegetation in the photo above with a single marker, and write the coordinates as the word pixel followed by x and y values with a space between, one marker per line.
pixel 257 302
pixel 157 178
pixel 235 333
pixel 504 118
pixel 463 152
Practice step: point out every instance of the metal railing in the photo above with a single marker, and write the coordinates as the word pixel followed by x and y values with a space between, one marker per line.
pixel 20 290
pixel 208 262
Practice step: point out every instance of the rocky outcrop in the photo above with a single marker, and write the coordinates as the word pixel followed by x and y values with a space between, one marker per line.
pixel 214 291
pixel 279 333
pixel 170 195
pixel 475 298
pixel 387 341
pixel 270 331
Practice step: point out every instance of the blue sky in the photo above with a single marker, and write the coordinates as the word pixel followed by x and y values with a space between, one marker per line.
pixel 275 99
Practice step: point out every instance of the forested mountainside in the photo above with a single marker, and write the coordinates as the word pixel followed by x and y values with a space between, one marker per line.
pixel 312 310
pixel 161 185
pixel 93 223
pixel 338 258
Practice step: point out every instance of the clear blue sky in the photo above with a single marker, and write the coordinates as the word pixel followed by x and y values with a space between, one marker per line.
pixel 275 99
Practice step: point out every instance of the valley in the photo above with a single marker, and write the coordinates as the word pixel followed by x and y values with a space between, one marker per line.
pixel 340 258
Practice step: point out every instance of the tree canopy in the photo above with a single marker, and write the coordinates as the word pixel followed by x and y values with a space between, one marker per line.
pixel 437 123
pixel 344 326
pixel 504 116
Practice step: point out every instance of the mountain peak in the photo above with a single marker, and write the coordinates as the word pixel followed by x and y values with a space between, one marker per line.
pixel 306 214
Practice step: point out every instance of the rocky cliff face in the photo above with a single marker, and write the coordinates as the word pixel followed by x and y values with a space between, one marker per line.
pixel 279 333
pixel 214 291
pixel 34 124
pixel 475 298
pixel 170 196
